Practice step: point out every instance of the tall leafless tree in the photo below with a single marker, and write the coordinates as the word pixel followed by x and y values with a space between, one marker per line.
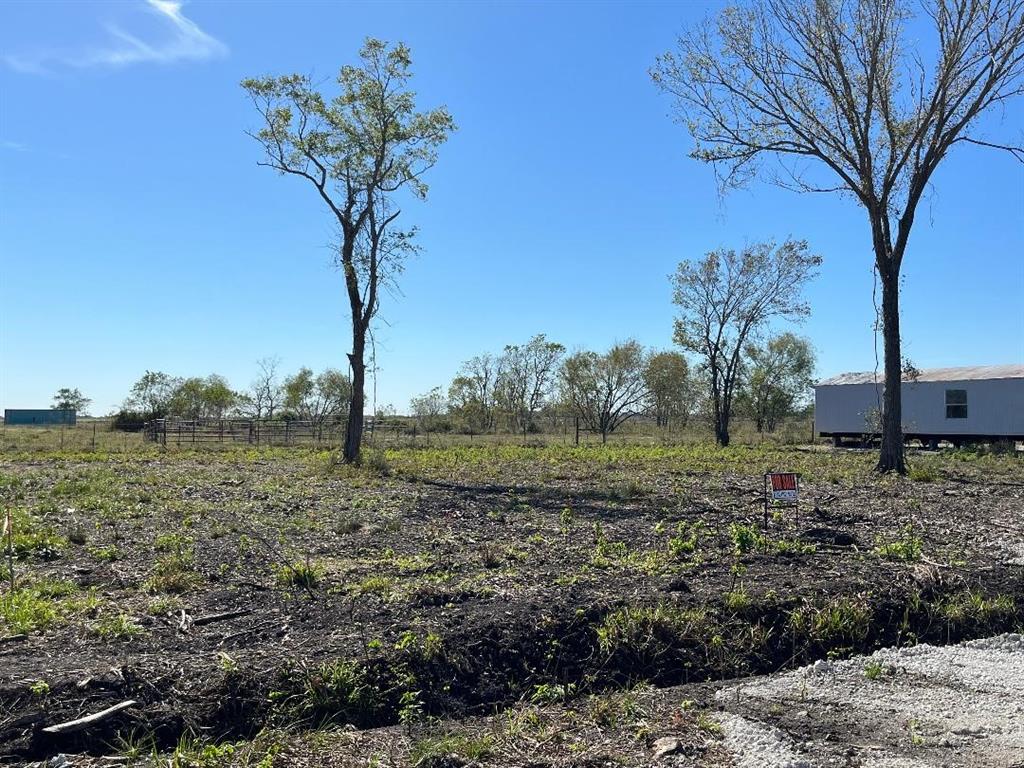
pixel 725 298
pixel 526 375
pixel 265 394
pixel 839 86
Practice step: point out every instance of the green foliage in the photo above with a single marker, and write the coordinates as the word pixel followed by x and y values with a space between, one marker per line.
pixel 34 607
pixel 68 399
pixel 838 623
pixel 778 379
pixel 317 398
pixel 34 539
pixel 550 693
pixel 301 573
pixel 605 390
pixel 907 548
pixel 195 752
pixel 667 377
pixel 107 554
pixel 973 609
pixel 339 691
pixel 430 750
pixel 873 670
pixel 173 542
pixel 566 518
pixel 787 547
pixel 738 600
pixel 726 298
pixel 923 474
pixel 745 538
pixel 684 543
pixel 39 688
pixel 173 573
pixel 648 632
pixel 117 626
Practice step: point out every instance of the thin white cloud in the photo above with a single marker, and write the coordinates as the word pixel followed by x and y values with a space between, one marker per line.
pixel 183 41
pixel 14 146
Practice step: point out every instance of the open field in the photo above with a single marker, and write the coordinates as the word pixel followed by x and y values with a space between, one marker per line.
pixel 504 605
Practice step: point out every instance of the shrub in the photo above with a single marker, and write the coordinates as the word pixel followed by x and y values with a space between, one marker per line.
pixel 745 538
pixel 684 543
pixel 907 548
pixel 338 691
pixel 299 574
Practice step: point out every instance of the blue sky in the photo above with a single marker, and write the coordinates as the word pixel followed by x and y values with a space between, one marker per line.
pixel 137 232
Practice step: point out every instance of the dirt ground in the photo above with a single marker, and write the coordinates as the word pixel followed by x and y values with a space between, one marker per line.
pixel 500 605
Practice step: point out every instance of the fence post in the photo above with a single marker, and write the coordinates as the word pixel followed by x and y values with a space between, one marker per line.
pixel 577 431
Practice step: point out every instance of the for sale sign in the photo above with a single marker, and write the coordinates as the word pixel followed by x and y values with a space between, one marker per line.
pixel 784 486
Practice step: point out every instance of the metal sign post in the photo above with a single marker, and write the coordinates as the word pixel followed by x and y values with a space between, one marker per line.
pixel 781 489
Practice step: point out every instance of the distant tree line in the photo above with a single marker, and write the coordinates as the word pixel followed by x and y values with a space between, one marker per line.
pixel 318 398
pixel 516 390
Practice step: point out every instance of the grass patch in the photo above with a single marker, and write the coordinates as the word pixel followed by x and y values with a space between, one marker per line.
pixel 301 573
pixel 430 750
pixel 907 548
pixel 117 626
pixel 173 573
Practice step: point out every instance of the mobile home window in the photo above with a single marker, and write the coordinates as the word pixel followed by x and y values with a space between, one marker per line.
pixel 956 403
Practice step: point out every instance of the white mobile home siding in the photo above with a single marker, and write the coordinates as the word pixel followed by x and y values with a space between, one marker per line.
pixel 995 407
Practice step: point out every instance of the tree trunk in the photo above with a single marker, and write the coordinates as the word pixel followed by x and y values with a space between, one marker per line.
pixel 722 428
pixel 891 458
pixel 354 428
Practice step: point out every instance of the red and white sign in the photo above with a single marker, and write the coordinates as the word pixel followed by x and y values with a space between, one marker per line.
pixel 784 486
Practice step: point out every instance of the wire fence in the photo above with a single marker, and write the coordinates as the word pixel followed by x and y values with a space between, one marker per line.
pixel 103 434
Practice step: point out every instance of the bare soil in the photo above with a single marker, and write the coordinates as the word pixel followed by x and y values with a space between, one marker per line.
pixel 236 593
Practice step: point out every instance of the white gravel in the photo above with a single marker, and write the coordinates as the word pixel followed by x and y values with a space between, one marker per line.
pixel 756 745
pixel 928 707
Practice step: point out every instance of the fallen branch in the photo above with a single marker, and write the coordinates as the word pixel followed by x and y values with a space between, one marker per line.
pixel 71 726
pixel 220 617
pixel 13 639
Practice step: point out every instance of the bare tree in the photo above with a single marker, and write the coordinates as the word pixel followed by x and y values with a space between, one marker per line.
pixel 606 390
pixel 357 150
pixel 526 375
pixel 726 298
pixel 265 393
pixel 837 86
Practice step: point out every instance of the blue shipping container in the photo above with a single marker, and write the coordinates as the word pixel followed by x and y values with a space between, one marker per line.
pixel 39 417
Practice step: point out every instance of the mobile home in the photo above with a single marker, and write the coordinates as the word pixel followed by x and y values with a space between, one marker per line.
pixel 960 405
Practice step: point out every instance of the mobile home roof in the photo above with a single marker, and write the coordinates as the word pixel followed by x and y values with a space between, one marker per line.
pixel 968 373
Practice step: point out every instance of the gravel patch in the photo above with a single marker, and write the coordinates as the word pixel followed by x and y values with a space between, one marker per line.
pixel 919 707
pixel 756 745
